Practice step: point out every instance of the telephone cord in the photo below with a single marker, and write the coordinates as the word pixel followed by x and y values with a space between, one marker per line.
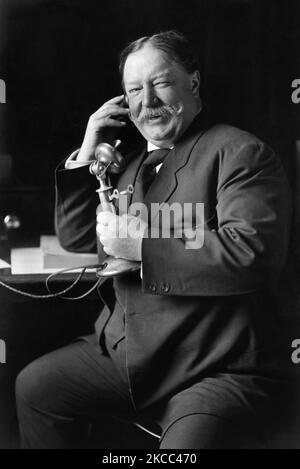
pixel 62 292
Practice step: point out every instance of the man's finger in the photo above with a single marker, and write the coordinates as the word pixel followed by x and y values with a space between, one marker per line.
pixel 116 99
pixel 106 113
pixel 110 110
pixel 101 229
pixel 108 251
pixel 105 218
pixel 115 123
pixel 103 240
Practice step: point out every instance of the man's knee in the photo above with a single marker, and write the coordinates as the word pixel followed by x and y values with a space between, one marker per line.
pixel 200 431
pixel 33 384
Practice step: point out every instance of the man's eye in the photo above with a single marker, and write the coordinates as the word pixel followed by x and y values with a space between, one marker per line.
pixel 134 90
pixel 162 83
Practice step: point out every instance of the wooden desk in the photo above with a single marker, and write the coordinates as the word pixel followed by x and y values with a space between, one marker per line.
pixel 32 327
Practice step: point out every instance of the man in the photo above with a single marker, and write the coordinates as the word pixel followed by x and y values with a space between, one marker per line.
pixel 191 342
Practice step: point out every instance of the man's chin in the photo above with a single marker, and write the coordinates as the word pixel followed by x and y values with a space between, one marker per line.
pixel 158 136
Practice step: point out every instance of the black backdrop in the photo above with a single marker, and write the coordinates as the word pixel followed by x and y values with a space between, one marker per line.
pixel 59 61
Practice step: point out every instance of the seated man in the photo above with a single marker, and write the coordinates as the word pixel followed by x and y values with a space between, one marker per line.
pixel 193 341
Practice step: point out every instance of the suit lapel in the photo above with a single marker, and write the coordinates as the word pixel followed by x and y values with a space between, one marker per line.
pixel 166 182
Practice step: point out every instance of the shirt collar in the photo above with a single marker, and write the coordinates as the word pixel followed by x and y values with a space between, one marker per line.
pixel 151 147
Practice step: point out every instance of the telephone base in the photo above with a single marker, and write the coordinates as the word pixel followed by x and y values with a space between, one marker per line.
pixel 113 267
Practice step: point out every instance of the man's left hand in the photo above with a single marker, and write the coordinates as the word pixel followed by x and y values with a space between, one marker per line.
pixel 121 236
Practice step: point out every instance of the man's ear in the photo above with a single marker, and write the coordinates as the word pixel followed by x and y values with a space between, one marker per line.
pixel 195 83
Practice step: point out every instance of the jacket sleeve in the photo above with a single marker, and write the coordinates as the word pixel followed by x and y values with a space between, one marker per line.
pixel 248 249
pixel 75 208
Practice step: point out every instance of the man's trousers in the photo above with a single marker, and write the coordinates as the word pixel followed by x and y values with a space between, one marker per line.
pixel 60 394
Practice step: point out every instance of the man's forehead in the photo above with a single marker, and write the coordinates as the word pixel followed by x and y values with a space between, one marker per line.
pixel 150 61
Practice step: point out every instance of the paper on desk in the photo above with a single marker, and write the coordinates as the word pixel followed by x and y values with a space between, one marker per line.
pixel 27 261
pixel 3 264
pixel 30 261
pixel 54 256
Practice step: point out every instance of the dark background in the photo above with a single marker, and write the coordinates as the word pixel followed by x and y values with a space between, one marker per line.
pixel 59 60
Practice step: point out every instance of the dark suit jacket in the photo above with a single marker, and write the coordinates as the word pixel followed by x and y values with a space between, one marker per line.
pixel 197 312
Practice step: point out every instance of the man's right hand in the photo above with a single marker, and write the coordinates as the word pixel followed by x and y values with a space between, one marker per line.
pixel 99 125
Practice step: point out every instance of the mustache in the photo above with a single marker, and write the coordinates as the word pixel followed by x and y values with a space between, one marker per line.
pixel 158 111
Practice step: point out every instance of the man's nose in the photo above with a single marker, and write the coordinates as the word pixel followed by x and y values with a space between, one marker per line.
pixel 149 97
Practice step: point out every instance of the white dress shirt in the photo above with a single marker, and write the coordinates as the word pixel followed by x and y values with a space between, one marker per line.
pixel 72 162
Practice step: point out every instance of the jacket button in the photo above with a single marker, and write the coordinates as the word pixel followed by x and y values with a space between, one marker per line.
pixel 152 287
pixel 165 287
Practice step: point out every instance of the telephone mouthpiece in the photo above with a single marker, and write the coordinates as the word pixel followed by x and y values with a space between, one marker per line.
pixel 110 157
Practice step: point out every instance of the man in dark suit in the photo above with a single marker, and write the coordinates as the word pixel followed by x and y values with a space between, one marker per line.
pixel 193 341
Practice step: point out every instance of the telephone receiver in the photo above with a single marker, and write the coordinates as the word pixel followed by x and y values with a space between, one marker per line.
pixel 112 133
pixel 107 154
pixel 124 104
pixel 108 159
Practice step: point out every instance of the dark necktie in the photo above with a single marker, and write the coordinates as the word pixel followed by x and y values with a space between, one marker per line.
pixel 147 173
